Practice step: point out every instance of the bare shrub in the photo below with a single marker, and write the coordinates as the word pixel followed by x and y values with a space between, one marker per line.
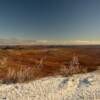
pixel 74 66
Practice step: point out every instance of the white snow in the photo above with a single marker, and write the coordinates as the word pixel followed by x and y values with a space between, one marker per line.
pixel 77 87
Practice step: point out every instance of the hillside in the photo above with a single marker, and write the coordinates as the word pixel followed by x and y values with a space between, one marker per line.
pixel 20 64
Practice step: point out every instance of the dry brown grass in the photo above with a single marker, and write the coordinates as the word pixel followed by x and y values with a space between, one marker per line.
pixel 21 74
pixel 24 65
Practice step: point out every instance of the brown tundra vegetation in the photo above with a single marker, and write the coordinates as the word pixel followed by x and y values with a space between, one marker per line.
pixel 22 64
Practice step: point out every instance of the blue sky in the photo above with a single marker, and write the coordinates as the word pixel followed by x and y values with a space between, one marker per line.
pixel 50 19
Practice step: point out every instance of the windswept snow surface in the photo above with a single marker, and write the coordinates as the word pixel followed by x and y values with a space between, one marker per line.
pixel 77 87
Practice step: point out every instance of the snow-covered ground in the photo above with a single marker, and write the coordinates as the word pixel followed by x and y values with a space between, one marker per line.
pixel 77 87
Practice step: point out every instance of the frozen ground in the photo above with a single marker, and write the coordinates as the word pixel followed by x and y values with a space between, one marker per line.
pixel 77 87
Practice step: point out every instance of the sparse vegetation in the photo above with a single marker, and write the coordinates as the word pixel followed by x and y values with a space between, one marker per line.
pixel 22 65
pixel 21 74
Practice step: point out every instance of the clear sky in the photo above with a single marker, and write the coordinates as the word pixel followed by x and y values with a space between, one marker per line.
pixel 50 19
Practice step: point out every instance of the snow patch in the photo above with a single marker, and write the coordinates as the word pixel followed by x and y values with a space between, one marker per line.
pixel 77 87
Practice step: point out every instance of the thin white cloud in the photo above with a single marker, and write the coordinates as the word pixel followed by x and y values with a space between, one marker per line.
pixel 47 42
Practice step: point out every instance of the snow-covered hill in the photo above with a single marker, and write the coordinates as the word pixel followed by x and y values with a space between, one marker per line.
pixel 77 87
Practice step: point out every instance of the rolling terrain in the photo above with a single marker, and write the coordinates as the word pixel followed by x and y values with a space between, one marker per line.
pixel 24 63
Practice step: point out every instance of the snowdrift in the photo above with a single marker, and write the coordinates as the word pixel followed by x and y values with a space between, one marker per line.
pixel 76 87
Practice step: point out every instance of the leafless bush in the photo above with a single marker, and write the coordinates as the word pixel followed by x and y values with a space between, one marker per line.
pixel 74 65
pixel 73 68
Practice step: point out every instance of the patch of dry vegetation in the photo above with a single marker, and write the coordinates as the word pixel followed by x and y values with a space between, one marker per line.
pixel 23 65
